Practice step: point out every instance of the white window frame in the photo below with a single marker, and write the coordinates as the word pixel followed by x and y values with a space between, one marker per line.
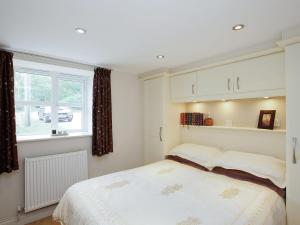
pixel 54 102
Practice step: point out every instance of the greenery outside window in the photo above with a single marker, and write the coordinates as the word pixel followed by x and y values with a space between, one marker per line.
pixel 48 101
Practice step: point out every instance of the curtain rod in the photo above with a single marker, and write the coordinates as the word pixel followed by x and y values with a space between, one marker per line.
pixel 21 55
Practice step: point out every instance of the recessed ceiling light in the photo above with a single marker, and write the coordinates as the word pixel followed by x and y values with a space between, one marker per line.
pixel 238 27
pixel 80 30
pixel 266 97
pixel 160 56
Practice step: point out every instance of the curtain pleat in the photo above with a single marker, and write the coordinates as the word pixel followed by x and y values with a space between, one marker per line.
pixel 102 113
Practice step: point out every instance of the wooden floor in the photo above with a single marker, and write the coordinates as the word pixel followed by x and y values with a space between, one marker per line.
pixel 46 221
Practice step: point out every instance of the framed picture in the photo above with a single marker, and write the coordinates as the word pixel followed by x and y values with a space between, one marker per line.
pixel 266 119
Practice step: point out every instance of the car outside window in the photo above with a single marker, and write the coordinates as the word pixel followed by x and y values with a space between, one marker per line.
pixel 48 101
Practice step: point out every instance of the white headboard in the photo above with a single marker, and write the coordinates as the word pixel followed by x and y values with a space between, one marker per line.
pixel 247 140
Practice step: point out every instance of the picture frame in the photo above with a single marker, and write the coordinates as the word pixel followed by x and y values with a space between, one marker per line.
pixel 266 119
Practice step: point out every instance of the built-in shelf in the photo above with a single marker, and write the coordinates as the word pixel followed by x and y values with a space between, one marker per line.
pixel 238 128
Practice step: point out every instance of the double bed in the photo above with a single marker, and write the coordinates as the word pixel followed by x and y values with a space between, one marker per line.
pixel 169 193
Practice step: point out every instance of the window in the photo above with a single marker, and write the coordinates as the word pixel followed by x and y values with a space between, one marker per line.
pixel 48 101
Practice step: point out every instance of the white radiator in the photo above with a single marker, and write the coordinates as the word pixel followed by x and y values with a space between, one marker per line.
pixel 48 177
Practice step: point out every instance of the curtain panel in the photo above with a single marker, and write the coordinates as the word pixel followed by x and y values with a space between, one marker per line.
pixel 8 142
pixel 102 113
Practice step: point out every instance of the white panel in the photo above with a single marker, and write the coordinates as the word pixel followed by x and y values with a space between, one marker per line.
pixel 153 106
pixel 48 177
pixel 184 86
pixel 215 81
pixel 153 119
pixel 293 130
pixel 262 73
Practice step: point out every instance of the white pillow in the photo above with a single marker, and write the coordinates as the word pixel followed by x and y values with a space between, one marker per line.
pixel 259 165
pixel 200 154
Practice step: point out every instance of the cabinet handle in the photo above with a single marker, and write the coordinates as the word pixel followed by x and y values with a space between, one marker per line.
pixel 238 83
pixel 160 134
pixel 228 84
pixel 193 89
pixel 294 140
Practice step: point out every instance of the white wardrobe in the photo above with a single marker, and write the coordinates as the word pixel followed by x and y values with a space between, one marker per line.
pixel 292 66
pixel 161 124
pixel 153 119
pixel 161 118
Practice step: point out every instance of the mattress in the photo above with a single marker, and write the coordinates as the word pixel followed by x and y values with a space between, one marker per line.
pixel 169 193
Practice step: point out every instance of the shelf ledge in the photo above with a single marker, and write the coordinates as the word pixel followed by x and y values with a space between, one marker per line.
pixel 279 131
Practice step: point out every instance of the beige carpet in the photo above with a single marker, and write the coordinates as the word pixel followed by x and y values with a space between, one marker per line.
pixel 46 221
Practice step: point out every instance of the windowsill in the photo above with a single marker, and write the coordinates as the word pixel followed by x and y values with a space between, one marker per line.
pixel 33 138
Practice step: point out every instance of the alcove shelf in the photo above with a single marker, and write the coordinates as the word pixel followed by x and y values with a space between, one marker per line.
pixel 277 131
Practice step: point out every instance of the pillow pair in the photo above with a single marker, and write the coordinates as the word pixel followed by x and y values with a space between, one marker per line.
pixel 262 166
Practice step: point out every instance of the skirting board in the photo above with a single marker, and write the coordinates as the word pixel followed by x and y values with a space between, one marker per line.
pixel 29 217
pixel 9 221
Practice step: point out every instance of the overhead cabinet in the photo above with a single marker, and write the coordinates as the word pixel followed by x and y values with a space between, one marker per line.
pixel 259 74
pixel 215 81
pixel 256 77
pixel 184 86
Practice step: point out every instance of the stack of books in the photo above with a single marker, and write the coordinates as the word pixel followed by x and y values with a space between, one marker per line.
pixel 195 119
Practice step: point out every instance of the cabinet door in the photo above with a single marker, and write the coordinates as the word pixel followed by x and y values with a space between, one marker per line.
pixel 215 81
pixel 183 86
pixel 153 119
pixel 263 73
pixel 153 150
pixel 293 131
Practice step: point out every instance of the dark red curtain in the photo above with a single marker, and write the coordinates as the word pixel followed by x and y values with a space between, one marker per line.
pixel 102 113
pixel 8 142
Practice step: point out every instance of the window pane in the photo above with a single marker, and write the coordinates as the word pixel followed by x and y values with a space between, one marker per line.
pixel 70 92
pixel 33 120
pixel 19 87
pixel 32 87
pixel 40 88
pixel 69 118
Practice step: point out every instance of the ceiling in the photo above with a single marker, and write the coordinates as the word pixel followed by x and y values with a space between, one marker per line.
pixel 127 35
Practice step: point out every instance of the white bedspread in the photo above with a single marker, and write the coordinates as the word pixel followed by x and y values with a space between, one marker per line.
pixel 169 193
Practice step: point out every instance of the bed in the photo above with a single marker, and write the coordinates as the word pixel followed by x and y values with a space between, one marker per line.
pixel 169 193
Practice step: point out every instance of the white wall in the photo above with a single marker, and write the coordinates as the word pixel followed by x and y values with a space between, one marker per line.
pixel 127 135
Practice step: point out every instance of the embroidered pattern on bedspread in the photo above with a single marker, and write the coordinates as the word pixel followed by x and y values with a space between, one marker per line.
pixel 165 171
pixel 171 189
pixel 117 184
pixel 230 193
pixel 190 221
